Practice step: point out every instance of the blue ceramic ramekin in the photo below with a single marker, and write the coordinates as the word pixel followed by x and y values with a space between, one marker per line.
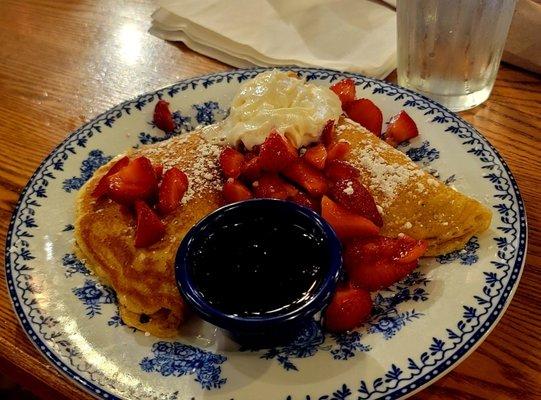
pixel 261 330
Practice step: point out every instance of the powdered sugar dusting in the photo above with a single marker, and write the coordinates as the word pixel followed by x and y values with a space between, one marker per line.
pixel 387 178
pixel 203 172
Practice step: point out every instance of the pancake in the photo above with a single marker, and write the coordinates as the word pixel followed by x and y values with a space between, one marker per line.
pixel 143 278
pixel 412 201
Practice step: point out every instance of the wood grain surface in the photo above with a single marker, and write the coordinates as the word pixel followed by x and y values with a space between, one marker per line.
pixel 64 62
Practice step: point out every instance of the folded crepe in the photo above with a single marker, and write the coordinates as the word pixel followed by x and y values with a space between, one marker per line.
pixel 144 278
pixel 411 201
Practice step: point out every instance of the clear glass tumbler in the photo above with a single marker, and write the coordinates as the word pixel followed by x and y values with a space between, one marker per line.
pixel 450 50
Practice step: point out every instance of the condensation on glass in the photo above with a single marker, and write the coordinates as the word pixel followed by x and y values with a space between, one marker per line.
pixel 450 50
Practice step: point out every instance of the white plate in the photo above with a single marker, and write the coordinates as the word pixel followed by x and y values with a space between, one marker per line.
pixel 422 327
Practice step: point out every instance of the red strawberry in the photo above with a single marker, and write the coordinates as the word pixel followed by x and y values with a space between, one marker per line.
pixel 316 156
pixel 338 169
pixel 366 113
pixel 338 151
pixel 345 89
pixel 231 162
pixel 272 186
pixel 136 181
pixel 276 153
pixel 251 169
pixel 307 177
pixel 400 128
pixel 328 136
pixel 348 309
pixel 158 171
pixel 345 223
pixel 102 186
pixel 304 200
pixel 149 227
pixel 378 262
pixel 354 197
pixel 172 189
pixel 234 191
pixel 163 118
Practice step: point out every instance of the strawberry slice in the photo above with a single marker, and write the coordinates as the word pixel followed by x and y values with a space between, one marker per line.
pixel 401 128
pixel 349 308
pixel 366 113
pixel 172 189
pixel 328 137
pixel 304 200
pixel 338 151
pixel 410 249
pixel 272 186
pixel 311 179
pixel 251 169
pixel 103 184
pixel 345 89
pixel 234 191
pixel 163 119
pixel 378 262
pixel 136 181
pixel 158 171
pixel 276 153
pixel 354 197
pixel 345 223
pixel 149 227
pixel 231 162
pixel 316 156
pixel 338 169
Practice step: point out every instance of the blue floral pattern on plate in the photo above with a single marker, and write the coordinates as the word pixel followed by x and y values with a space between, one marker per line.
pixel 500 272
pixel 178 359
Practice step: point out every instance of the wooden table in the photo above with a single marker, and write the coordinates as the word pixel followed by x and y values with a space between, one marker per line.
pixel 63 62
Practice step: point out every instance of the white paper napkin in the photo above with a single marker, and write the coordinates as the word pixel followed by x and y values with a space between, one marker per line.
pixel 351 35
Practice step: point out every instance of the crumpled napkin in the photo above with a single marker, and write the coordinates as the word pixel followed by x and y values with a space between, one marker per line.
pixel 351 35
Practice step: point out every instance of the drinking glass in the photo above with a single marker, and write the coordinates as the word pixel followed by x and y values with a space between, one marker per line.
pixel 450 50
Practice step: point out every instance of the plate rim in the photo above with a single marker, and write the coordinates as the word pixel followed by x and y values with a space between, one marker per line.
pixel 478 336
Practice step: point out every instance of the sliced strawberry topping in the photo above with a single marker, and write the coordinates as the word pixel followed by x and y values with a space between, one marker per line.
pixel 163 118
pixel 136 181
pixel 304 200
pixel 345 223
pixel 251 169
pixel 276 153
pixel 102 186
pixel 400 128
pixel 158 171
pixel 378 262
pixel 328 136
pixel 149 227
pixel 172 189
pixel 316 156
pixel 272 186
pixel 234 191
pixel 231 162
pixel 345 89
pixel 311 179
pixel 338 169
pixel 354 197
pixel 366 113
pixel 338 151
pixel 348 309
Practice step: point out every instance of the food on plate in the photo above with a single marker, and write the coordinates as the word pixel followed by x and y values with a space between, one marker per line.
pixel 105 232
pixel 286 139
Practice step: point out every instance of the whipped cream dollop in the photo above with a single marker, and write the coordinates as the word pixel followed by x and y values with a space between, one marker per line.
pixel 281 101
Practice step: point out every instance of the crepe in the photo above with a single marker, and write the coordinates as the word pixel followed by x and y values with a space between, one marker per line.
pixel 143 278
pixel 410 200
